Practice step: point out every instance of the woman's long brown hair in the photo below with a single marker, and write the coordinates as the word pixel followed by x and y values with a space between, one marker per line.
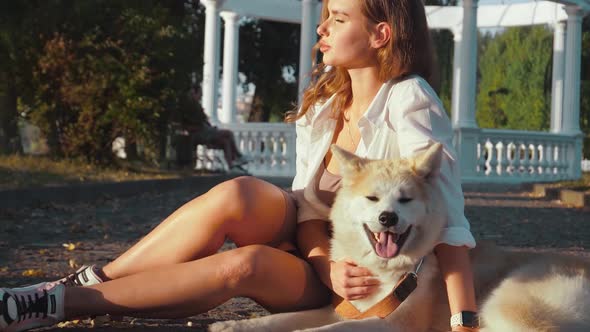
pixel 409 51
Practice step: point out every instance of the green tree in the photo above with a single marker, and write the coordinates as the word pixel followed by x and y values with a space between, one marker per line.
pixel 18 49
pixel 444 49
pixel 124 69
pixel 514 85
pixel 268 49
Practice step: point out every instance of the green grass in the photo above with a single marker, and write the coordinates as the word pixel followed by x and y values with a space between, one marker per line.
pixel 582 184
pixel 17 171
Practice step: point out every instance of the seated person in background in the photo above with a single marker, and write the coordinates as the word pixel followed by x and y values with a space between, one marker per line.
pixel 218 138
pixel 202 132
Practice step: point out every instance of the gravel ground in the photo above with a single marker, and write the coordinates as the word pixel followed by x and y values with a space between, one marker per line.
pixel 32 240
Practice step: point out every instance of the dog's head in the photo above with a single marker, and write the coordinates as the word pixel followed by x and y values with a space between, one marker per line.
pixel 390 206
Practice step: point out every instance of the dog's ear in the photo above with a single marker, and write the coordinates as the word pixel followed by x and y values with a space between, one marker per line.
pixel 349 162
pixel 428 162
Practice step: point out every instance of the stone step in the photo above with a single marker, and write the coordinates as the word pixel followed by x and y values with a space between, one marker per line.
pixel 572 196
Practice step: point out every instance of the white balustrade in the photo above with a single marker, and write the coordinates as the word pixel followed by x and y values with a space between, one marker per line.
pixel 502 155
pixel 523 156
pixel 209 159
pixel 270 146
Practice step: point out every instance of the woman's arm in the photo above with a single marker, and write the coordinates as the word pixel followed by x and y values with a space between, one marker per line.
pixel 418 117
pixel 455 267
pixel 345 278
pixel 313 241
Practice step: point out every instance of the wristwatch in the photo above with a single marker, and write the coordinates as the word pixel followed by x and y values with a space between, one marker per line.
pixel 466 319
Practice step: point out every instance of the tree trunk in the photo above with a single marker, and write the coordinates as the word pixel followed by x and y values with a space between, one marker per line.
pixel 9 134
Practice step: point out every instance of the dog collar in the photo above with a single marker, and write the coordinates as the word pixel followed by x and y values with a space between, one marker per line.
pixel 404 287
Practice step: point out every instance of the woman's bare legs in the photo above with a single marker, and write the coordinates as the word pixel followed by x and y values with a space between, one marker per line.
pixel 275 279
pixel 245 209
pixel 175 272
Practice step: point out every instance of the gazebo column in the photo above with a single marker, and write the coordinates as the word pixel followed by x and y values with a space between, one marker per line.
pixel 211 59
pixel 573 54
pixel 308 40
pixel 456 77
pixel 230 67
pixel 571 88
pixel 557 77
pixel 468 66
pixel 466 130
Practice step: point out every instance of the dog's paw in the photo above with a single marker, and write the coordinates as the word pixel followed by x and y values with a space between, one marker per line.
pixel 225 326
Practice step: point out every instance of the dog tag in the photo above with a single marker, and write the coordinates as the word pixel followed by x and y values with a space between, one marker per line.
pixel 406 286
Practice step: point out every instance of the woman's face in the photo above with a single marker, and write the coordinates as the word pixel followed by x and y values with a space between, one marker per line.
pixel 344 39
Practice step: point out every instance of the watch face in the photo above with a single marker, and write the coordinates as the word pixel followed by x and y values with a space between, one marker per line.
pixel 469 319
pixel 465 318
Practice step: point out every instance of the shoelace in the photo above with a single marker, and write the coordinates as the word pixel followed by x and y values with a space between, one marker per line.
pixel 28 305
pixel 72 280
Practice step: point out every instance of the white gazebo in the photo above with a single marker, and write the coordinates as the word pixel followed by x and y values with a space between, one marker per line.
pixel 486 154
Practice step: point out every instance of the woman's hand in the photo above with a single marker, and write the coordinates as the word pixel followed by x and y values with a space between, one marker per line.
pixel 351 282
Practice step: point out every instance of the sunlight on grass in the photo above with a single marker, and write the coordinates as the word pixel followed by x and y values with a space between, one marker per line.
pixel 26 171
pixel 583 184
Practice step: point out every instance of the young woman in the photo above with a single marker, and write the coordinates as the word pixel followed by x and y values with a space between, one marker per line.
pixel 369 95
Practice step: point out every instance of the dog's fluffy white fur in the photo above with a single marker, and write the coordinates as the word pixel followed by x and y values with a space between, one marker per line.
pixel 517 291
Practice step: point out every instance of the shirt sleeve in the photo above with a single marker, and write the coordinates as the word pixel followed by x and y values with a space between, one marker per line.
pixel 419 119
pixel 306 210
pixel 302 132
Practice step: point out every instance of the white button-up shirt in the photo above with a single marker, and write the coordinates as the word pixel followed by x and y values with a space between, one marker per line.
pixel 403 118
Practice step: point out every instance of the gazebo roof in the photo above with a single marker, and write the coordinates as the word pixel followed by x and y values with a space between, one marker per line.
pixel 272 10
pixel 439 17
pixel 495 16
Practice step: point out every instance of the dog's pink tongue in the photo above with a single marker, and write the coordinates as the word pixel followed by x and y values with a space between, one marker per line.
pixel 386 247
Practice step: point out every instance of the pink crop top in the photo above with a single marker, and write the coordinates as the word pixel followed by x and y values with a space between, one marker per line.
pixel 326 185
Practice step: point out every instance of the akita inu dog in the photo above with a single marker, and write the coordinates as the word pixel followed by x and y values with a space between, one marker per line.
pixel 387 217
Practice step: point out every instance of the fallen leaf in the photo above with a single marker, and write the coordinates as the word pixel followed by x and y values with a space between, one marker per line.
pixel 33 273
pixel 68 323
pixel 71 246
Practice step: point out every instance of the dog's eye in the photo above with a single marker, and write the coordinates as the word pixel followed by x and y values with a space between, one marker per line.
pixel 372 198
pixel 404 200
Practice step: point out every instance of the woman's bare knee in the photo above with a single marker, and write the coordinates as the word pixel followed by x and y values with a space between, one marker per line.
pixel 241 267
pixel 231 196
pixel 276 280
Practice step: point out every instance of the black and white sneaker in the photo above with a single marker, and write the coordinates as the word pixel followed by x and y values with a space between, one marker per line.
pixel 29 307
pixel 84 276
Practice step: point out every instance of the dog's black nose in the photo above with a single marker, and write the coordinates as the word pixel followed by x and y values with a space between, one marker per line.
pixel 388 219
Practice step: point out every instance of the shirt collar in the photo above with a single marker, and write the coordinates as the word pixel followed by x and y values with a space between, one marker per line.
pixel 323 111
pixel 373 114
